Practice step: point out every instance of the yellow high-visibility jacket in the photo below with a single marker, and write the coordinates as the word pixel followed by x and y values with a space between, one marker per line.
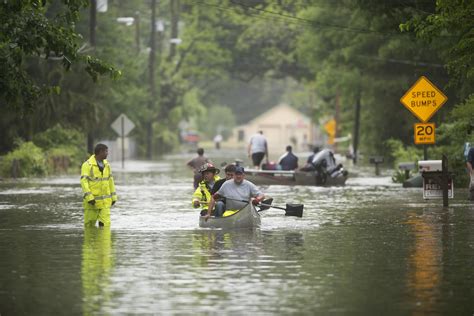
pixel 96 185
pixel 203 193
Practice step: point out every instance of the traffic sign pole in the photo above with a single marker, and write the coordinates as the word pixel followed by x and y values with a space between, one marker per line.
pixel 122 126
pixel 123 142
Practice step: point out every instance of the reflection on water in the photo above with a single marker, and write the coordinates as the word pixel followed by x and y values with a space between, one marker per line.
pixel 97 265
pixel 370 247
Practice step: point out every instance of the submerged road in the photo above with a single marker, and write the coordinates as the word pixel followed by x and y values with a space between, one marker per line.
pixel 370 247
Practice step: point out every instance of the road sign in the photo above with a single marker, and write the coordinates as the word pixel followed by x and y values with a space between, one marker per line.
pixel 330 128
pixel 423 99
pixel 122 125
pixel 432 190
pixel 424 133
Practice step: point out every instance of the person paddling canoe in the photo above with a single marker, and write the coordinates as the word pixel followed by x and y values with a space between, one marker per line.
pixel 236 190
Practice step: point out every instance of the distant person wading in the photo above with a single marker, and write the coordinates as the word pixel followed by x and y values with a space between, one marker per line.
pixel 258 149
pixel 195 164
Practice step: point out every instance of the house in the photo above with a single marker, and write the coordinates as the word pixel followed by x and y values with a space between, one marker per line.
pixel 282 125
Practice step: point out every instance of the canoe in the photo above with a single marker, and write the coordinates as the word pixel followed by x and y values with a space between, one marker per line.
pixel 282 177
pixel 247 217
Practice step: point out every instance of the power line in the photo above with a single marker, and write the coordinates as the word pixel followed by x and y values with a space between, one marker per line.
pixel 294 20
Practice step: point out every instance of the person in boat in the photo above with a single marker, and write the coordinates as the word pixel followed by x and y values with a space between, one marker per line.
pixel 288 161
pixel 235 191
pixel 202 194
pixel 309 162
pixel 315 151
pixel 229 174
pixel 258 149
pixel 220 203
pixel 195 164
pixel 98 187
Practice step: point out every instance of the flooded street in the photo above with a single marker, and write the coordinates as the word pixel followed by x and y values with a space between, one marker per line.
pixel 371 247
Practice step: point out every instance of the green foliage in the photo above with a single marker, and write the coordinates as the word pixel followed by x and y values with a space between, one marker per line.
pixel 30 160
pixel 64 148
pixel 39 29
pixel 401 153
pixel 317 55
pixel 217 120
pixel 452 136
pixel 58 136
pixel 452 24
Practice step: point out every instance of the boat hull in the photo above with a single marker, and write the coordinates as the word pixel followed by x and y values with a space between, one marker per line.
pixel 247 217
pixel 277 177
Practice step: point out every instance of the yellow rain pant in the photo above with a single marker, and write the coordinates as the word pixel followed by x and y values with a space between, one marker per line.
pixel 93 214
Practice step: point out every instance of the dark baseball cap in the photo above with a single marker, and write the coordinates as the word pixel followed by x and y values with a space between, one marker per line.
pixel 239 169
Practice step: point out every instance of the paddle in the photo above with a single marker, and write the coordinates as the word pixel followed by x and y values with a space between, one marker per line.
pixel 290 210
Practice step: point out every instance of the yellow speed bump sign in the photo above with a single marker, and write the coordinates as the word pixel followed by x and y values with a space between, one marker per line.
pixel 424 133
pixel 423 99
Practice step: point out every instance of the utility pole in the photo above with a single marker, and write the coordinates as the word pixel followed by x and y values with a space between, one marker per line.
pixel 174 8
pixel 151 78
pixel 137 31
pixel 337 106
pixel 93 22
pixel 355 144
pixel 92 42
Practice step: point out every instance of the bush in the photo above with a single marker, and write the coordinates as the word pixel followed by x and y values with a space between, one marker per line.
pixel 57 150
pixel 64 148
pixel 30 162
pixel 58 136
pixel 400 153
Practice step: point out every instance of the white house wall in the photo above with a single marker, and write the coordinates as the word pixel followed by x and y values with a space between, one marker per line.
pixel 279 125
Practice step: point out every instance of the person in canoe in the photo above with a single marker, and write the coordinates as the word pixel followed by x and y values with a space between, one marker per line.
pixel 235 191
pixel 202 195
pixel 229 174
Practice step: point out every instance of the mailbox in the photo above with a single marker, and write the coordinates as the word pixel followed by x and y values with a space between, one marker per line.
pixel 430 165
pixel 436 180
pixel 376 159
pixel 407 166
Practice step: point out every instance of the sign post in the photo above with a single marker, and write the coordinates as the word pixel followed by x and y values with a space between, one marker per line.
pixel 423 100
pixel 123 126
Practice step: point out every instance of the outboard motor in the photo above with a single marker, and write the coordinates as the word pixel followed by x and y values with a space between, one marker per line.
pixel 325 165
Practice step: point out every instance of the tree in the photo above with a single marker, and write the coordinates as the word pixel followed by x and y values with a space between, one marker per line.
pixel 39 29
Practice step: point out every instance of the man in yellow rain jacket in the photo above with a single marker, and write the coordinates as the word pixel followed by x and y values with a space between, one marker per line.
pixel 202 195
pixel 98 187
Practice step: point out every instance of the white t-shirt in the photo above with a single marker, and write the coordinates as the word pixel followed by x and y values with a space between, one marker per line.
pixel 258 143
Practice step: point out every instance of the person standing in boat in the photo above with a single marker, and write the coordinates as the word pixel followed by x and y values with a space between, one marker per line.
pixel 202 194
pixel 235 191
pixel 258 149
pixel 195 164
pixel 288 161
pixel 98 187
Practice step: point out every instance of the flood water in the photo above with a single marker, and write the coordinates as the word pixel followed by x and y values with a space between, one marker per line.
pixel 370 247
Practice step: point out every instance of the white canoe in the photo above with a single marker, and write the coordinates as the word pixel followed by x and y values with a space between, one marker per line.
pixel 246 217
